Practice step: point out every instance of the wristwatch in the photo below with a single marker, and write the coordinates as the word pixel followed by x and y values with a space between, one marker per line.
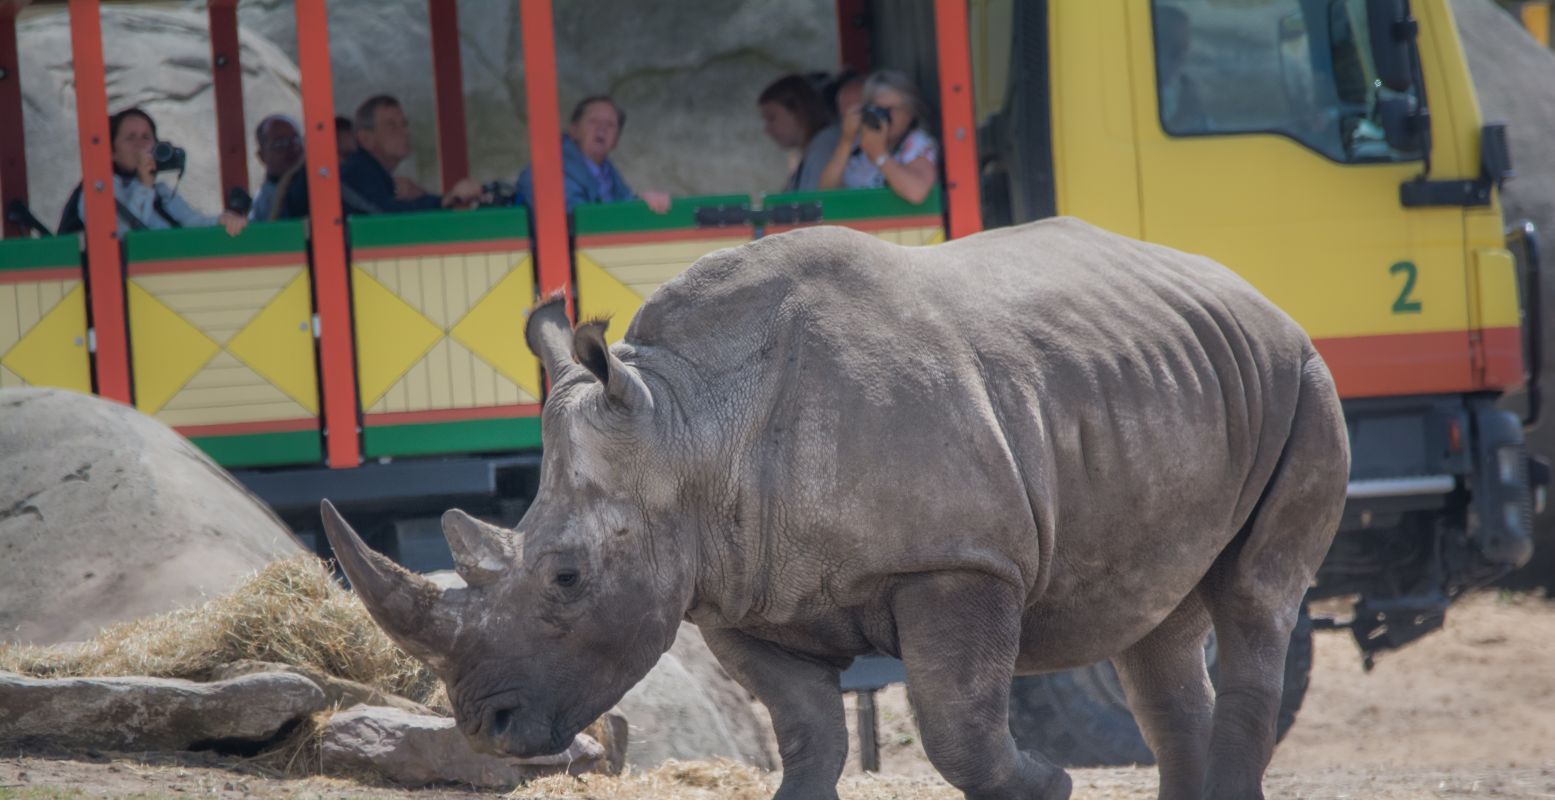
pixel 880 160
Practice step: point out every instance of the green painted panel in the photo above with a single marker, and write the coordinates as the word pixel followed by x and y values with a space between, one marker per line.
pixel 846 204
pixel 263 449
pixel 258 238
pixel 438 227
pixel 55 251
pixel 463 436
pixel 635 216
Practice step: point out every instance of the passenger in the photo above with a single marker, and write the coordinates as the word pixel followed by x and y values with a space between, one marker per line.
pixel 142 201
pixel 345 139
pixel 845 94
pixel 883 143
pixel 795 117
pixel 367 182
pixel 279 140
pixel 587 173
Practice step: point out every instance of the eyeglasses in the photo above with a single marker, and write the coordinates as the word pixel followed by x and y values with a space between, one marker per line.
pixel 283 142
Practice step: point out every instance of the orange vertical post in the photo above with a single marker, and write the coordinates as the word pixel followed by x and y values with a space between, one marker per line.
pixel 13 141
pixel 104 267
pixel 959 128
pixel 326 232
pixel 227 79
pixel 453 147
pixel 549 204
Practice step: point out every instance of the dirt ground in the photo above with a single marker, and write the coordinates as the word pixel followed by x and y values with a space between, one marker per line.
pixel 1467 712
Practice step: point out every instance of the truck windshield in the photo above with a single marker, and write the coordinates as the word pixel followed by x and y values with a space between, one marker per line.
pixel 1299 68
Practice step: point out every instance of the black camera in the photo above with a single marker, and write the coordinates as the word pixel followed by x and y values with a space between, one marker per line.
pixel 874 117
pixel 168 157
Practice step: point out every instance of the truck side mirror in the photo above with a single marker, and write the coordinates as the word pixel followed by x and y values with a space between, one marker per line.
pixel 1392 34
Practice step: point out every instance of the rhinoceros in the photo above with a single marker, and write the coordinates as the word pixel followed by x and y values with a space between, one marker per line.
pixel 1026 450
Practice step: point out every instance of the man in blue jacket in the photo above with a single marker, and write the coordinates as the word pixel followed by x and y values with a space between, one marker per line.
pixel 367 181
pixel 587 172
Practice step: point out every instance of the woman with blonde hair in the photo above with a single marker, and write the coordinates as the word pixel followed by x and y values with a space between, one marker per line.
pixel 884 143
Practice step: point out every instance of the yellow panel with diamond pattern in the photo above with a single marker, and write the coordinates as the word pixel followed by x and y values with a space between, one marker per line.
pixel 912 237
pixel 43 335
pixel 443 332
pixel 223 346
pixel 614 280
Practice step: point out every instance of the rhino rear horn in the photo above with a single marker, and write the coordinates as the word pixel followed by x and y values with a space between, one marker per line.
pixel 405 605
pixel 623 384
pixel 480 555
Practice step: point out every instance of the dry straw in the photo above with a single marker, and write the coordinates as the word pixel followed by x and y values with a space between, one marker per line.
pixel 291 612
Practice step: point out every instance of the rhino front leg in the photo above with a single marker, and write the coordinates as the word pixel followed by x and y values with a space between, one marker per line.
pixel 805 700
pixel 959 635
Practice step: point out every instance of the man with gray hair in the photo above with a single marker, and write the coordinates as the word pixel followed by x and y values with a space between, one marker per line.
pixel 279 139
pixel 367 181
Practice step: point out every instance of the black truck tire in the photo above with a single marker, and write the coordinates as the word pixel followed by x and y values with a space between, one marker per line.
pixel 1080 718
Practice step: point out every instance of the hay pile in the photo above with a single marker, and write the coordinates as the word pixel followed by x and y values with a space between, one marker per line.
pixel 290 612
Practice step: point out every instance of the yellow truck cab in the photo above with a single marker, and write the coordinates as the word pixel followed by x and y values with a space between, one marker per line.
pixel 1332 153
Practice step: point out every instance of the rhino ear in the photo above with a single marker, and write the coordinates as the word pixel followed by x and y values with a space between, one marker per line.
pixel 548 333
pixel 623 384
pixel 480 555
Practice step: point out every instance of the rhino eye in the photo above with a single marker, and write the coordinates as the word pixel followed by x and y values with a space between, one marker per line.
pixel 567 578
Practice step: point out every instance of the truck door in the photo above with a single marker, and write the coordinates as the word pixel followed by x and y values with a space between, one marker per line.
pixel 1260 145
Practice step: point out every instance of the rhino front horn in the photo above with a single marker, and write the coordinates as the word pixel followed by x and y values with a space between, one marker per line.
pixel 405 605
pixel 480 555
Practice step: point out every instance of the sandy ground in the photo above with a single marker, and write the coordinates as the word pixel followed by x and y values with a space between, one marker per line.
pixel 1467 712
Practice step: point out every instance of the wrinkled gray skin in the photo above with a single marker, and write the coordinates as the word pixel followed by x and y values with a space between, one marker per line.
pixel 1026 450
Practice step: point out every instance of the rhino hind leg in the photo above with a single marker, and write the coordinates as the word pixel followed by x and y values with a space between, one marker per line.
pixel 1254 590
pixel 959 667
pixel 804 697
pixel 1168 688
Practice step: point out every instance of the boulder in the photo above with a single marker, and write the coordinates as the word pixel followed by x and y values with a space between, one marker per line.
pixel 421 750
pixel 688 75
pixel 160 60
pixel 689 709
pixel 108 515
pixel 339 692
pixel 141 714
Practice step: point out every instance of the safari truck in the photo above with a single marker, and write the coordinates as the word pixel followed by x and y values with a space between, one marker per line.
pixel 1330 151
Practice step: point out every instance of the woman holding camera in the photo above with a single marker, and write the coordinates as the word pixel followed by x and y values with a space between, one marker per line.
pixel 141 201
pixel 883 143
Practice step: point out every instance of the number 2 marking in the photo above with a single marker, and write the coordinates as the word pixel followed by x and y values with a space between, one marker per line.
pixel 1405 305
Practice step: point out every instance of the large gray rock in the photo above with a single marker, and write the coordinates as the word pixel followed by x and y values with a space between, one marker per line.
pixel 159 60
pixel 339 692
pixel 689 709
pixel 145 714
pixel 688 74
pixel 108 515
pixel 420 750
